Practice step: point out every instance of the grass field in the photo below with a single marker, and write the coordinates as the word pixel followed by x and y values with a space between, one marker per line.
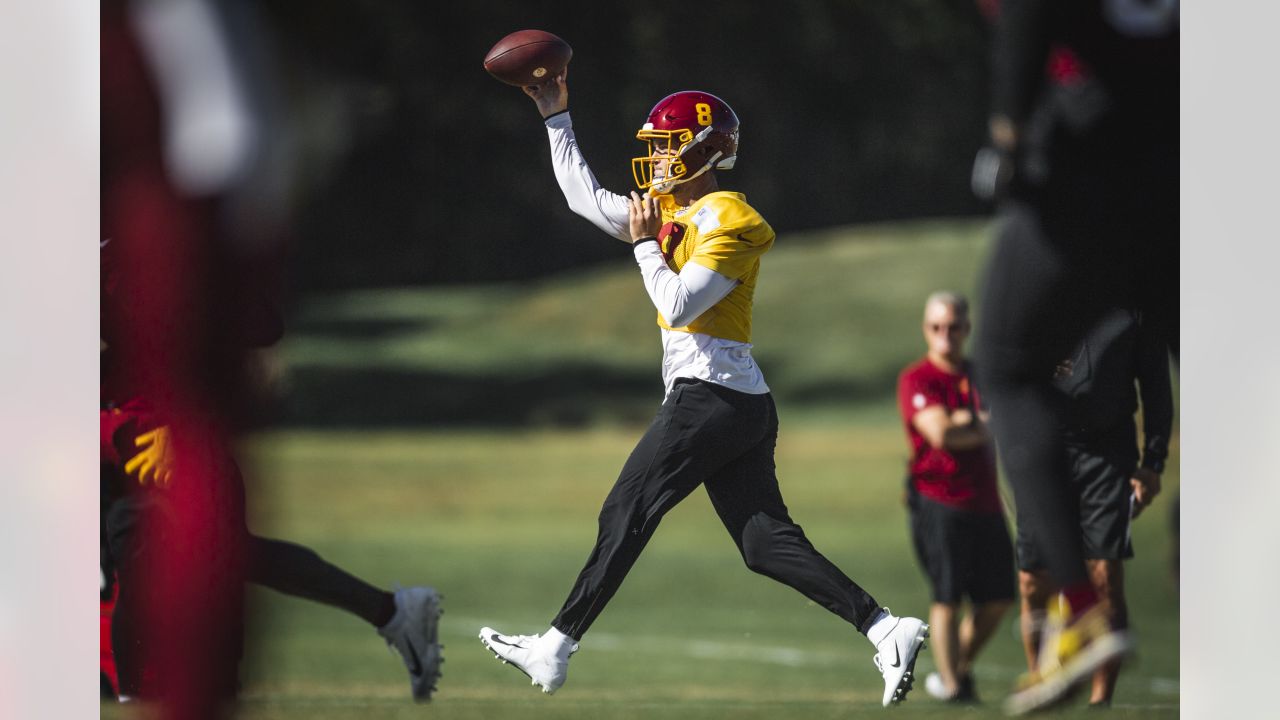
pixel 499 512
pixel 837 316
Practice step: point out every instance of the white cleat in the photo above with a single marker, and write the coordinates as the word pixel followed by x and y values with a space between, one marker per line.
pixel 896 657
pixel 414 632
pixel 532 655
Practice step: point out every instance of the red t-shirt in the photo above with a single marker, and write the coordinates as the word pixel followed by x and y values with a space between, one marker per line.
pixel 963 479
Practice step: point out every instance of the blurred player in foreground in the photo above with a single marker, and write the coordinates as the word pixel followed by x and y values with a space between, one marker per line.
pixel 698 249
pixel 1110 484
pixel 1083 157
pixel 957 520
pixel 143 467
pixel 178 318
pixel 139 470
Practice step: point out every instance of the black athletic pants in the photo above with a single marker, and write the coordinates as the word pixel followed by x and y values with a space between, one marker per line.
pixel 706 434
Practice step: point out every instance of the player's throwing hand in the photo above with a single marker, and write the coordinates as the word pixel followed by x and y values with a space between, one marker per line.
pixel 551 96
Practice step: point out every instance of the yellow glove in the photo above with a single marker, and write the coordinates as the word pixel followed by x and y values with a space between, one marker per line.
pixel 154 458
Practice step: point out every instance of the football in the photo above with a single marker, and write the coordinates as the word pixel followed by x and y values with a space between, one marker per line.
pixel 527 57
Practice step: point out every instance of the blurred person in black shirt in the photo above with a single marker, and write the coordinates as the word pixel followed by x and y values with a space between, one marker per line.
pixel 1083 160
pixel 1112 480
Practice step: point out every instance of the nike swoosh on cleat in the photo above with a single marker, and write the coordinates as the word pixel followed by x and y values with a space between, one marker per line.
pixel 897 659
pixel 415 668
pixel 497 639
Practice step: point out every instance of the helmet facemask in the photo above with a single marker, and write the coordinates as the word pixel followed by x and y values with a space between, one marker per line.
pixel 663 167
pixel 671 148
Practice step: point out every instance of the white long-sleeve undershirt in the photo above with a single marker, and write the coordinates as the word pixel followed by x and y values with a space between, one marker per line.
pixel 607 211
pixel 680 297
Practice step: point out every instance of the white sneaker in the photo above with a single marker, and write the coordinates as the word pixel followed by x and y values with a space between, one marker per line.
pixel 896 659
pixel 414 632
pixel 545 661
pixel 935 686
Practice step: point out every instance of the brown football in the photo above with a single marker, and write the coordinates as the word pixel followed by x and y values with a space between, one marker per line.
pixel 527 57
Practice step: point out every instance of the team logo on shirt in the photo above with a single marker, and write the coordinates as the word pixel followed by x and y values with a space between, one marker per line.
pixel 669 238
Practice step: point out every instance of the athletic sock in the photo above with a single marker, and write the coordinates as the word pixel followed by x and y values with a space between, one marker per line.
pixel 880 628
pixel 558 643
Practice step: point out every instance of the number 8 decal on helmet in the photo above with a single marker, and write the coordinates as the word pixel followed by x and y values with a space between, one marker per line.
pixel 704 113
pixel 687 133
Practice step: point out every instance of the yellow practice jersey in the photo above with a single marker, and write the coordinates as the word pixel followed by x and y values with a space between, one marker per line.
pixel 720 232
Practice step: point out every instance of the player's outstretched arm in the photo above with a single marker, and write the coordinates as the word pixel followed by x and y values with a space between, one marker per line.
pixel 586 197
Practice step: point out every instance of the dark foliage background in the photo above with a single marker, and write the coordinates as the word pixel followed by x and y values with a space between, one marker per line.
pixel 411 165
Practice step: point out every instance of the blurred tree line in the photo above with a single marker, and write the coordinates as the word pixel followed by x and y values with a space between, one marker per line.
pixel 412 165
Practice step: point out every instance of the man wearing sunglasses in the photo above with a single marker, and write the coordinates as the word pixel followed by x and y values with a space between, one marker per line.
pixel 957 525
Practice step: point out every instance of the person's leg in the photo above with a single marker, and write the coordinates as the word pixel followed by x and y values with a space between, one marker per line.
pixel 1101 472
pixel 1108 581
pixel 746 496
pixel 296 570
pixel 944 628
pixel 976 629
pixel 699 429
pixel 1036 305
pixel 121 529
pixel 941 546
pixel 991 588
pixel 179 552
pixel 1036 589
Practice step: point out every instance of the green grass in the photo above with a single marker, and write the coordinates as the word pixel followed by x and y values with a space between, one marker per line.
pixel 500 515
pixel 837 316
pixel 501 522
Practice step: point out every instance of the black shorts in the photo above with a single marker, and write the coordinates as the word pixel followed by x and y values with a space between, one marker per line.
pixel 1101 482
pixel 962 553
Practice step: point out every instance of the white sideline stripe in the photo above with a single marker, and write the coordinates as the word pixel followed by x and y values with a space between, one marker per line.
pixel 770 654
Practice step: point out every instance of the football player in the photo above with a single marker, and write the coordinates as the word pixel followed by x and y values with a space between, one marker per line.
pixel 140 469
pixel 178 313
pixel 698 249
pixel 155 463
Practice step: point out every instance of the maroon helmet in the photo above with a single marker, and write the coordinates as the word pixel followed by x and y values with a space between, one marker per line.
pixel 676 126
